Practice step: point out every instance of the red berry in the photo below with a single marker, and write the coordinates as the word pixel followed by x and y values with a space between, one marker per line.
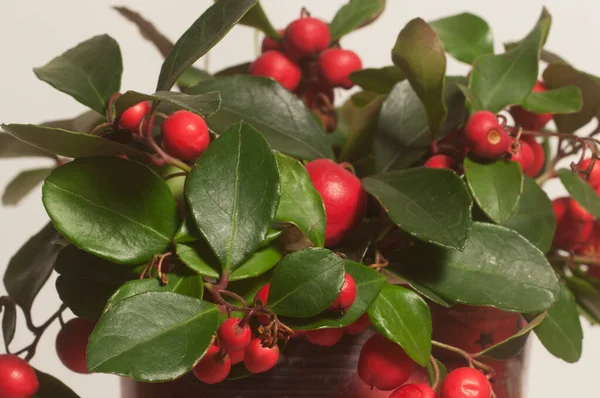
pixel 539 156
pixel 574 225
pixel 185 135
pixel 132 117
pixel 384 364
pixel 269 44
pixel 343 197
pixel 258 358
pixel 594 174
pixel 360 325
pixel 72 342
pixel 336 65
pixel 347 295
pixel 214 366
pixel 523 154
pixel 17 377
pixel 325 337
pixel 529 120
pixel 485 137
pixel 232 336
pixel 276 65
pixel 306 36
pixel 263 295
pixel 440 162
pixel 414 391
pixel 465 383
pixel 236 356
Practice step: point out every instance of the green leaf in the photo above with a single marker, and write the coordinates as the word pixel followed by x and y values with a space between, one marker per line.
pixel 586 295
pixel 84 122
pixel 566 99
pixel 300 202
pixel 147 30
pixel 192 76
pixel 51 387
pixel 23 184
pixel 282 117
pixel 431 371
pixel 233 192
pixel 473 101
pixel 256 18
pixel 496 187
pixel 201 104
pixel 507 79
pixel 306 282
pixel 353 15
pixel 69 144
pixel 552 58
pixel 29 269
pixel 362 125
pixel 465 36
pixel 534 218
pixel 581 191
pixel 90 72
pixel 403 317
pixel 377 80
pixel 432 205
pixel 11 147
pixel 403 136
pixel 156 319
pixel 513 345
pixel 420 54
pixel 203 35
pixel 9 320
pixel 498 268
pixel 560 331
pixel 114 208
pixel 368 284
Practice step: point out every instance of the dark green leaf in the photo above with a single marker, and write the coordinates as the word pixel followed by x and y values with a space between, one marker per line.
pixel 84 122
pixel 256 18
pixel 420 54
pixel 496 187
pixel 147 30
pixel 587 296
pixel 432 205
pixel 377 80
pixel 465 36
pixel 300 202
pixel 51 387
pixel 239 69
pixel 306 282
pixel 362 125
pixel 9 320
pixel 353 15
pixel 233 192
pixel 201 104
pixel 513 345
pixel 473 101
pixel 581 191
pixel 498 268
pixel 403 317
pixel 287 124
pixel 566 99
pixel 23 184
pixel 187 232
pixel 10 147
pixel 114 208
pixel 90 72
pixel 192 76
pixel 431 371
pixel 204 33
pixel 156 319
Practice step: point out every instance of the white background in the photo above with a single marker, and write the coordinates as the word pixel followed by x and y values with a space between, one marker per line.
pixel 34 31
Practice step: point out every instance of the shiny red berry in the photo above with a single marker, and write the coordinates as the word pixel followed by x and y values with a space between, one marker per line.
pixel 132 117
pixel 17 377
pixel 440 162
pixel 529 120
pixel 485 137
pixel 594 174
pixel 259 358
pixel 347 295
pixel 236 356
pixel 325 337
pixel 336 65
pixel 539 156
pixel 343 197
pixel 72 342
pixel 384 364
pixel 269 44
pixel 574 225
pixel 465 383
pixel 414 391
pixel 263 295
pixel 214 366
pixel 306 36
pixel 279 67
pixel 523 154
pixel 360 325
pixel 185 135
pixel 232 336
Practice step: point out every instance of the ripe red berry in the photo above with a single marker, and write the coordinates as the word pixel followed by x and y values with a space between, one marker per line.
pixel 343 197
pixel 306 36
pixel 414 391
pixel 574 225
pixel 529 120
pixel 595 173
pixel 465 383
pixel 278 66
pixel 384 364
pixel 523 154
pixel 236 356
pixel 72 342
pixel 259 358
pixel 232 336
pixel 132 117
pixel 336 65
pixel 485 137
pixel 185 135
pixel 214 366
pixel 347 295
pixel 360 325
pixel 539 156
pixel 269 44
pixel 325 337
pixel 17 377
pixel 263 295
pixel 440 162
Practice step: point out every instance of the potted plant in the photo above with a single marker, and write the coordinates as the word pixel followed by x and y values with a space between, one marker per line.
pixel 243 230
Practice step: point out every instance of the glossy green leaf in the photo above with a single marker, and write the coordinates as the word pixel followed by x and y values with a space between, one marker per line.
pixel 23 184
pixel 68 143
pixel 90 72
pixel 284 120
pixel 114 208
pixel 473 101
pixel 256 18
pixel 420 54
pixel 465 36
pixel 513 345
pixel 11 147
pixel 233 193
pixel 300 202
pixel 496 187
pixel 581 191
pixel 377 80
pixel 201 104
pixel 51 387
pixel 9 320
pixel 203 35
pixel 156 319
pixel 586 295
pixel 498 268
pixel 431 371
pixel 403 317
pixel 566 99
pixel 353 15
pixel 432 205
pixel 362 125
pixel 192 76
pixel 306 282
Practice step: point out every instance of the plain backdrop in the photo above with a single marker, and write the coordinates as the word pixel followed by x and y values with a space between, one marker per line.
pixel 32 32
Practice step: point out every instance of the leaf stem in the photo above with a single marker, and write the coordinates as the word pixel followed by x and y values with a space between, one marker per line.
pixel 436 370
pixel 39 331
